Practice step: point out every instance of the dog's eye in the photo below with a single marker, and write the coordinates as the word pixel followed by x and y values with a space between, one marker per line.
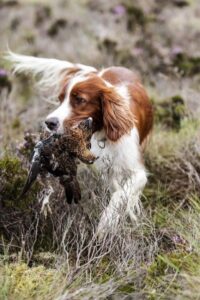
pixel 79 100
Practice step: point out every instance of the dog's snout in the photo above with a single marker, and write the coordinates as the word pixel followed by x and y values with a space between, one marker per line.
pixel 52 123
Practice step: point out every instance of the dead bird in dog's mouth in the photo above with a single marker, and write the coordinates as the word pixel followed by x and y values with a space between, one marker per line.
pixel 56 154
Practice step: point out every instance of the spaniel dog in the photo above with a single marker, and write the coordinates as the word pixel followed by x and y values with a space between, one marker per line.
pixel 122 121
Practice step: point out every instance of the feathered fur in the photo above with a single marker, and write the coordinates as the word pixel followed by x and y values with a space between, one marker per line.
pixel 47 72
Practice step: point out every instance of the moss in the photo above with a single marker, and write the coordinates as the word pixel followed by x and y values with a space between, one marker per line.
pixel 155 192
pixel 56 26
pixel 21 282
pixel 170 112
pixel 124 57
pixel 25 89
pixel 12 179
pixel 103 271
pixel 178 110
pixel 43 12
pixel 29 36
pixel 135 15
pixel 171 263
pixel 159 277
pixel 182 3
pixel 108 44
pixel 15 22
pixel 127 289
pixel 161 217
pixel 167 273
pixel 169 143
pixel 188 65
pixel 4 79
pixel 45 258
pixel 16 123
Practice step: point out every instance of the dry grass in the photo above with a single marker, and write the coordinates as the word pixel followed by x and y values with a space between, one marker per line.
pixel 174 159
pixel 59 256
pixel 156 257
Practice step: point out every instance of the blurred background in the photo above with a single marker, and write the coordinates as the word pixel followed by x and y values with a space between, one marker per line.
pixel 56 256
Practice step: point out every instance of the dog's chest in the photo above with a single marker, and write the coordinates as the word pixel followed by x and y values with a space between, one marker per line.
pixel 121 155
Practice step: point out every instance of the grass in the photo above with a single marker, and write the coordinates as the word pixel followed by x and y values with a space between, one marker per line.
pixel 172 271
pixel 157 258
pixel 20 282
pixel 58 256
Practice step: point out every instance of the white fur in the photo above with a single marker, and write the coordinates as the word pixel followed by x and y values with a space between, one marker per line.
pixel 122 90
pixel 80 76
pixel 125 160
pixel 64 110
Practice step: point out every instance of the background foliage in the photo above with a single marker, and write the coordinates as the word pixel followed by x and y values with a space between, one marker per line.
pixel 57 255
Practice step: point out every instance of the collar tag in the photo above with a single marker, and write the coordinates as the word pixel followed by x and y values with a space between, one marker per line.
pixel 102 143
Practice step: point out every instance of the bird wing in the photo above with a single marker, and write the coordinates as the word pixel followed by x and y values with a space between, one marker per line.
pixel 34 169
pixel 33 173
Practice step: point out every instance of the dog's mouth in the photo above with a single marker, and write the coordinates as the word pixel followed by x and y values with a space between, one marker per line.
pixel 86 125
pixel 59 130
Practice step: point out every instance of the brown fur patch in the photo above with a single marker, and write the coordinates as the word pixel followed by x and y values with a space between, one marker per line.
pixel 94 98
pixel 68 75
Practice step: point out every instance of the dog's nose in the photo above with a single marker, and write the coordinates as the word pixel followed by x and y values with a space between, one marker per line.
pixel 52 123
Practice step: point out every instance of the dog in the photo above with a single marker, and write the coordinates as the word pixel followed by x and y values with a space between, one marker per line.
pixel 122 121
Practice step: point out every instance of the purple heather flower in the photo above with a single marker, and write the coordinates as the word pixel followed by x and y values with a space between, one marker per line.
pixel 177 239
pixel 176 50
pixel 119 10
pixel 138 51
pixel 3 73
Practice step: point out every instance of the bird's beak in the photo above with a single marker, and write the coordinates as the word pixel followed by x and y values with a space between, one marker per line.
pixel 88 123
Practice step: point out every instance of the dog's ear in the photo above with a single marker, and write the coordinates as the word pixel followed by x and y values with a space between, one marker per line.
pixel 117 117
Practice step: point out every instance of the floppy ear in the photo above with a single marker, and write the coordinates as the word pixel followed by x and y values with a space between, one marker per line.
pixel 117 117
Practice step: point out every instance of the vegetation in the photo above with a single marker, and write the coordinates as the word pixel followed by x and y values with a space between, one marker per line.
pixel 51 251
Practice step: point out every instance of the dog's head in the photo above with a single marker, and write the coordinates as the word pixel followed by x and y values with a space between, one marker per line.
pixel 82 93
pixel 88 95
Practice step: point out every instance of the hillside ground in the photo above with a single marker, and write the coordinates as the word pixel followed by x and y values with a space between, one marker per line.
pixel 56 255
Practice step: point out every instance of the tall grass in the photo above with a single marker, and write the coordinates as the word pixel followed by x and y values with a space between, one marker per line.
pixel 156 257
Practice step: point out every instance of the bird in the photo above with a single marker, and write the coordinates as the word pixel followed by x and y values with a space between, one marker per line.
pixel 57 154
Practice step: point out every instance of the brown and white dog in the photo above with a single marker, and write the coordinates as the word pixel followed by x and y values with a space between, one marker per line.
pixel 122 120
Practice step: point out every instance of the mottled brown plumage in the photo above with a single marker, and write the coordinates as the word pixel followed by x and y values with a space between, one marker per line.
pixel 57 153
